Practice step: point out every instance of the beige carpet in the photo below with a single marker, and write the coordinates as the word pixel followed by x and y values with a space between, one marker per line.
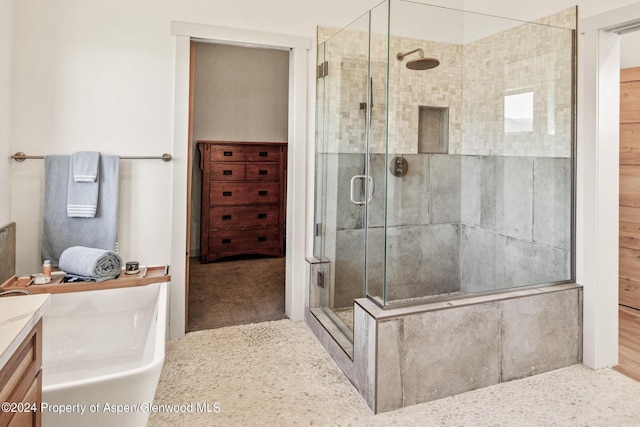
pixel 277 374
pixel 235 292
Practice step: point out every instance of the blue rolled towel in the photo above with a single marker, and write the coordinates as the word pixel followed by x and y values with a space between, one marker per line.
pixel 90 264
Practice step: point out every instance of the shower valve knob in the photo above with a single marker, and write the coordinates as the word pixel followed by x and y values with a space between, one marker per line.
pixel 399 166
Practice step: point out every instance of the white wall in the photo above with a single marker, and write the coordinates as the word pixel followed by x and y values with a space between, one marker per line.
pixel 5 111
pixel 630 50
pixel 94 76
pixel 526 10
pixel 98 75
pixel 240 93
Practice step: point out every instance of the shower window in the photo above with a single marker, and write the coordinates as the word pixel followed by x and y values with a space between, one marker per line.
pixel 518 112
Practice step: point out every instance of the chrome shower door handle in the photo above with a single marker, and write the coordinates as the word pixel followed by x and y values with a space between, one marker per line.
pixel 353 180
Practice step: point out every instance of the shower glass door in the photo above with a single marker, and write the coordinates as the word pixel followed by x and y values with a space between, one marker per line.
pixel 342 170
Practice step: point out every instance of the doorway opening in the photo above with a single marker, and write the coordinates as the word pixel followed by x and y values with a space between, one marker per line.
pixel 239 101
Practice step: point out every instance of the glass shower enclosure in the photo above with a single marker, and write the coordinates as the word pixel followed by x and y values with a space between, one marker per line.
pixel 444 156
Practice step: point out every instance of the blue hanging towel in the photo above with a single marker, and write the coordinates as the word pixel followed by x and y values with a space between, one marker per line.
pixel 60 231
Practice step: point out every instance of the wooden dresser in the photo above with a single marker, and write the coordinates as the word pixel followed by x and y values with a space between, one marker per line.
pixel 243 198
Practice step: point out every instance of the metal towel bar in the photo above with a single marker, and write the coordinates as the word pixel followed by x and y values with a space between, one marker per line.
pixel 166 157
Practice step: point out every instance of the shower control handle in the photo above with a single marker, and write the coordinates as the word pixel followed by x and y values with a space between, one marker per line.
pixel 353 199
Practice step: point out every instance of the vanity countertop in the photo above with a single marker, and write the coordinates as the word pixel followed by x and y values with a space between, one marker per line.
pixel 18 314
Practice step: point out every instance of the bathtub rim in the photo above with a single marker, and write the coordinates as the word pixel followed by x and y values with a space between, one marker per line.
pixel 158 349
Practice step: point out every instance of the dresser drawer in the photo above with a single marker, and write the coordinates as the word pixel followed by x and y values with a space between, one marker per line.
pixel 237 171
pixel 239 193
pixel 227 171
pixel 227 153
pixel 262 153
pixel 244 241
pixel 243 216
pixel 262 172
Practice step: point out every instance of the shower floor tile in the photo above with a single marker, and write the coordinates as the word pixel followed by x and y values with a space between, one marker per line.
pixel 346 316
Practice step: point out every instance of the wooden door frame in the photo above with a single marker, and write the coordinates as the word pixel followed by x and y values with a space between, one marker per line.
pixel 192 72
pixel 298 48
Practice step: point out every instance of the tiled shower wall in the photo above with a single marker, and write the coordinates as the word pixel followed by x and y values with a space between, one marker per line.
pixel 409 89
pixel 493 213
pixel 423 234
pixel 457 223
pixel 347 54
pixel 528 58
pixel 516 222
pixel 471 81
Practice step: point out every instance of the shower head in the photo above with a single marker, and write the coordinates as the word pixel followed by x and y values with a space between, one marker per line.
pixel 420 63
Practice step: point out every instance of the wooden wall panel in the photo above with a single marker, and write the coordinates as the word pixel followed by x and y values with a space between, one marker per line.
pixel 629 354
pixel 629 293
pixel 629 186
pixel 629 227
pixel 630 102
pixel 630 74
pixel 629 250
pixel 629 146
pixel 629 263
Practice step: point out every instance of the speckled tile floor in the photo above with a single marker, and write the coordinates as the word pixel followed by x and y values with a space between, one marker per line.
pixel 277 374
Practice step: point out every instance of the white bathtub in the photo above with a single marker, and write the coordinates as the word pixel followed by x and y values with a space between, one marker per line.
pixel 102 354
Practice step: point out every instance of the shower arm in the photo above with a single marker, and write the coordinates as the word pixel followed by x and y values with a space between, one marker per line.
pixel 400 56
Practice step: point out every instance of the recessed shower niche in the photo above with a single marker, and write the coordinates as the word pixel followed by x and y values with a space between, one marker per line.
pixel 433 129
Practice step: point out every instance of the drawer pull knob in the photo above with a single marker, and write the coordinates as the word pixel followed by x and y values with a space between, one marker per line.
pixel 263 154
pixel 262 215
pixel 262 172
pixel 226 193
pixel 226 217
pixel 262 238
pixel 226 241
pixel 227 172
pixel 262 193
pixel 228 154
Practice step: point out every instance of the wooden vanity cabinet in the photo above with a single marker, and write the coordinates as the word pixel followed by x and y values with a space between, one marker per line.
pixel 21 382
pixel 243 198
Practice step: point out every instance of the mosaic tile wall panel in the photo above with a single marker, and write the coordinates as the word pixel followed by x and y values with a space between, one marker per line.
pixel 346 88
pixel 531 58
pixel 472 81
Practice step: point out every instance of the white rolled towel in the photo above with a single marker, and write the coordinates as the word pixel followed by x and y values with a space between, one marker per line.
pixel 90 263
